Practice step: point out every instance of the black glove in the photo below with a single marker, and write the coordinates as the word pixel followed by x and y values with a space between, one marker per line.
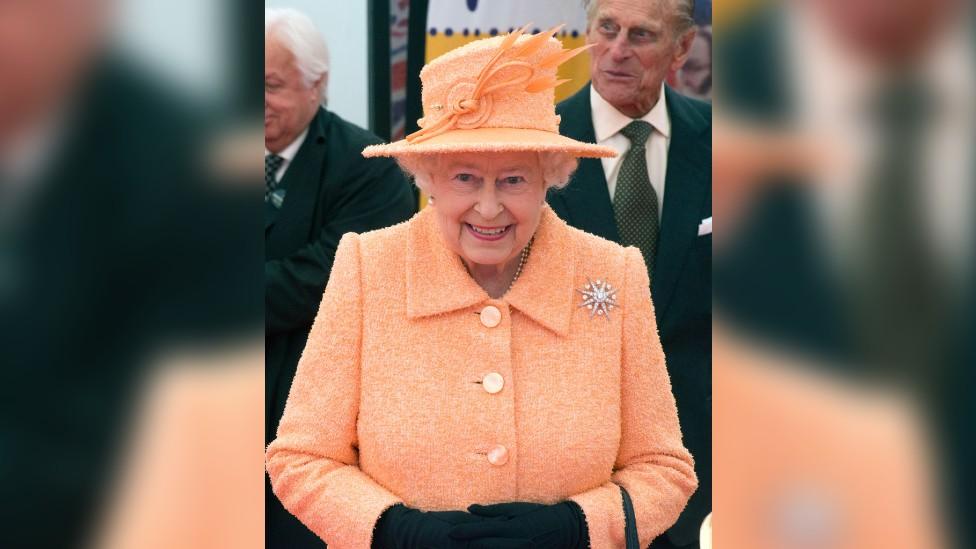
pixel 559 526
pixel 401 527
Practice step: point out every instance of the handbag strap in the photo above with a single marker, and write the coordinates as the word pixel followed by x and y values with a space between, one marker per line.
pixel 630 521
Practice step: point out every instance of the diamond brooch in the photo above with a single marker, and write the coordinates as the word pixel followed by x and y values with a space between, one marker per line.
pixel 599 297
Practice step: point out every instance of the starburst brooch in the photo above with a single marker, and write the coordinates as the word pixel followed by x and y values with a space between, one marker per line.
pixel 600 297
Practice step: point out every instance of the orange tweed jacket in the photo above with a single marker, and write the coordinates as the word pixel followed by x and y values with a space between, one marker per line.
pixel 407 392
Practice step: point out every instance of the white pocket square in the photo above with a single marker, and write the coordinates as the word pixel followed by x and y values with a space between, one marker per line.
pixel 705 227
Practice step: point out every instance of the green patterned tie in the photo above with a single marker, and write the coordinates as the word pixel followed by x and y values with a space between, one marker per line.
pixel 635 201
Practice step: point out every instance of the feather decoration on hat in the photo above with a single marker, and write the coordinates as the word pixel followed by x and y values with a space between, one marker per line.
pixel 515 74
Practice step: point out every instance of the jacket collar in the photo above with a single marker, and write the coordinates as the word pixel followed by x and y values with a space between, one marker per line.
pixel 437 281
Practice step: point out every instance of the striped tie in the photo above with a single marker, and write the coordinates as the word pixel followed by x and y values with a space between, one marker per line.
pixel 271 164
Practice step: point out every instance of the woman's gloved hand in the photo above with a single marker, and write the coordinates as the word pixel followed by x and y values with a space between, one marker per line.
pixel 559 526
pixel 401 527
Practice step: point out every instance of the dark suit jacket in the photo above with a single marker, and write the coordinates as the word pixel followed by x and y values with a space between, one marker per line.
pixel 331 190
pixel 681 281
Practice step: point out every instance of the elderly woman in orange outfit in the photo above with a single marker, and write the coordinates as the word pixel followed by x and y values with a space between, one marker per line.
pixel 483 375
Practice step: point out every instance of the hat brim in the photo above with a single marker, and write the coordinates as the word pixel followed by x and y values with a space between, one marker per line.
pixel 486 140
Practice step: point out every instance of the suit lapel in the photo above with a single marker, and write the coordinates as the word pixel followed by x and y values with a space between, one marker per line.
pixel 585 202
pixel 686 190
pixel 303 179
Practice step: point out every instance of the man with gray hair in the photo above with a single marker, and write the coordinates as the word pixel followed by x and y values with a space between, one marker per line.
pixel 656 195
pixel 317 187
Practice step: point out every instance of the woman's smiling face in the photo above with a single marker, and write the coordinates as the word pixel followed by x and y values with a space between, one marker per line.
pixel 488 204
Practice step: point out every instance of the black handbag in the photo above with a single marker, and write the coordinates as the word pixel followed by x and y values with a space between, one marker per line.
pixel 630 522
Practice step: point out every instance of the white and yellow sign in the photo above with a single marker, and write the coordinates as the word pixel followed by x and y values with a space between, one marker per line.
pixel 453 23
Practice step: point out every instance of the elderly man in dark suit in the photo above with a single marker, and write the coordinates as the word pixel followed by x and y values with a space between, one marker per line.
pixel 318 187
pixel 656 196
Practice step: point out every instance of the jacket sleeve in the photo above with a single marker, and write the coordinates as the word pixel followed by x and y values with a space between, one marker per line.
pixel 375 196
pixel 313 462
pixel 652 463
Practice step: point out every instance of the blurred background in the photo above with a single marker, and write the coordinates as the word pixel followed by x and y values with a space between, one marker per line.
pixel 130 274
pixel 843 273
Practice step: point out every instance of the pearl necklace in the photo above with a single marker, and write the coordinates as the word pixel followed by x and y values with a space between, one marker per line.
pixel 518 270
pixel 522 258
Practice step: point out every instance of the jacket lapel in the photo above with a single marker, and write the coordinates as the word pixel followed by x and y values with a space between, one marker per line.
pixel 687 188
pixel 437 281
pixel 585 202
pixel 545 292
pixel 290 228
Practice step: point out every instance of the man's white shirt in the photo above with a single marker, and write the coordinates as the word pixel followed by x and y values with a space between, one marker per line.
pixel 607 123
pixel 288 154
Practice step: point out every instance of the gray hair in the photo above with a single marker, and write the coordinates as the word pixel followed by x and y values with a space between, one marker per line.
pixel 298 34
pixel 557 168
pixel 684 14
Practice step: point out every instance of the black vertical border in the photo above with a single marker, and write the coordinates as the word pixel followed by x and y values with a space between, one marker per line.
pixel 378 28
pixel 416 51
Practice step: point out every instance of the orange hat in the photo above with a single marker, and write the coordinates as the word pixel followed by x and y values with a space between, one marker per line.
pixel 493 95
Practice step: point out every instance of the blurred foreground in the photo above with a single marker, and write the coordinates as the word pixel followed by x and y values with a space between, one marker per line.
pixel 844 274
pixel 129 232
